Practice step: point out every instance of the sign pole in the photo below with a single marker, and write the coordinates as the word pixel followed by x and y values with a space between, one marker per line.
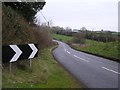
pixel 30 63
pixel 10 67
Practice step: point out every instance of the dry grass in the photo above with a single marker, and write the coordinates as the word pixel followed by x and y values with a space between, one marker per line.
pixel 43 38
pixel 45 73
pixel 15 30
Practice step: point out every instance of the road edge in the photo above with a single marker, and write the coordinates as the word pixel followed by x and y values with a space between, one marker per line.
pixel 79 82
pixel 109 58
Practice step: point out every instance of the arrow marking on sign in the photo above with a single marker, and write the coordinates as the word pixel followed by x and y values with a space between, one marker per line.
pixel 17 51
pixel 32 46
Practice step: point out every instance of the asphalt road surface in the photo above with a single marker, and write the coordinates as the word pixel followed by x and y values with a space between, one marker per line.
pixel 92 71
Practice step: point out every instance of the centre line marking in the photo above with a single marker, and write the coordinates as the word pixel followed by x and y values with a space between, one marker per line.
pixel 111 70
pixel 68 52
pixel 80 58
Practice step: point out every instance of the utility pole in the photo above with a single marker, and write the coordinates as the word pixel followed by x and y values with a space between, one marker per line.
pixel 48 24
pixel 92 33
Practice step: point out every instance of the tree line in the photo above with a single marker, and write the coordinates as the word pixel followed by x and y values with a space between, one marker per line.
pixel 102 36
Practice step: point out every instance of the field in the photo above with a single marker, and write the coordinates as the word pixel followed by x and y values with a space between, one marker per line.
pixel 61 37
pixel 109 49
pixel 45 73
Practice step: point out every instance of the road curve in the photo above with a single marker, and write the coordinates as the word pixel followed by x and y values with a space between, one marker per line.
pixel 92 71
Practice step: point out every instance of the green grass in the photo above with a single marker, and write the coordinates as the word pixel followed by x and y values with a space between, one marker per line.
pixel 45 73
pixel 109 49
pixel 62 37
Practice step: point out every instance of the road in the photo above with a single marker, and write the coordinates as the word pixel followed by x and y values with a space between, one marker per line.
pixel 92 71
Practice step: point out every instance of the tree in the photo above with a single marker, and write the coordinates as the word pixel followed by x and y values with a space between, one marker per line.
pixel 83 29
pixel 79 38
pixel 26 9
pixel 68 31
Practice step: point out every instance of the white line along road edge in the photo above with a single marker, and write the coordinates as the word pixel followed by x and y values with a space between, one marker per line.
pixel 111 70
pixel 32 46
pixel 17 51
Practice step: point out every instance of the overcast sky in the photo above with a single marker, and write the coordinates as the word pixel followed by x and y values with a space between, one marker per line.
pixel 92 14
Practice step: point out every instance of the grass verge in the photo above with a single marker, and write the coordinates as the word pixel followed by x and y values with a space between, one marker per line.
pixel 107 50
pixel 45 73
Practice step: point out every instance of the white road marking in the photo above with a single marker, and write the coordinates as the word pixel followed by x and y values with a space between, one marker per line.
pixel 80 58
pixel 68 52
pixel 75 55
pixel 64 48
pixel 111 70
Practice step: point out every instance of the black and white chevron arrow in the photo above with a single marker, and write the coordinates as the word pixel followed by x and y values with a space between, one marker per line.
pixel 12 53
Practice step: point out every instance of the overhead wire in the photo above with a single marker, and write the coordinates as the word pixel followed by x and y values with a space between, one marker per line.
pixel 43 16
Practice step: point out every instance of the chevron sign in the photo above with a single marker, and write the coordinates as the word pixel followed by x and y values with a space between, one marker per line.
pixel 12 53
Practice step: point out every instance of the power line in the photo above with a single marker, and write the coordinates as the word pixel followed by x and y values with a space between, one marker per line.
pixel 43 16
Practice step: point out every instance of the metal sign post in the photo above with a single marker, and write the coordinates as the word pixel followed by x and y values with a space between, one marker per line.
pixel 30 63
pixel 10 67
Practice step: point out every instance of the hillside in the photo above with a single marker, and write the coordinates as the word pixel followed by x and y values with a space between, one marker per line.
pixel 15 29
pixel 45 71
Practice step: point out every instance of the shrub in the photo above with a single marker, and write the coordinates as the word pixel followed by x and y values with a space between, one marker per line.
pixel 15 29
pixel 79 38
pixel 42 35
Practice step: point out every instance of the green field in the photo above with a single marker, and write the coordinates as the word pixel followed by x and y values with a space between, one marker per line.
pixel 45 73
pixel 109 49
pixel 61 37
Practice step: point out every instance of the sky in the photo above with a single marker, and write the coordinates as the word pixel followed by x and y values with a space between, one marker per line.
pixel 92 14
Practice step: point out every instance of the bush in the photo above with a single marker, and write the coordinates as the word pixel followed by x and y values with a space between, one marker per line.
pixel 15 29
pixel 79 38
pixel 43 37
